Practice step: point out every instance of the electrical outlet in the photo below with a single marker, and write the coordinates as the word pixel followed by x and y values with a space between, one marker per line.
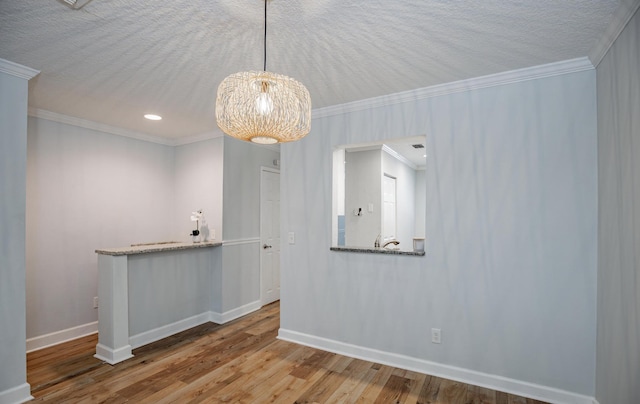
pixel 95 302
pixel 292 237
pixel 435 335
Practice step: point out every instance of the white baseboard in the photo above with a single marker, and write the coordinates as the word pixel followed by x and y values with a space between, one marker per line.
pixel 490 381
pixel 16 395
pixel 221 318
pixel 156 334
pixel 58 337
pixel 113 356
pixel 141 339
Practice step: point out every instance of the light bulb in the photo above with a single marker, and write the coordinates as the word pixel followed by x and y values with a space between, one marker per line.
pixel 264 104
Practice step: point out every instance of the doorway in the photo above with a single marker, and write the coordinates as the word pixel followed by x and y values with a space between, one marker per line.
pixel 389 212
pixel 269 235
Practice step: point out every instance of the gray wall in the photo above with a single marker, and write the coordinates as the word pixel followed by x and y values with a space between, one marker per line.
pixel 198 185
pixel 13 160
pixel 168 287
pixel 618 347
pixel 240 278
pixel 242 162
pixel 510 270
pixel 86 190
pixel 363 186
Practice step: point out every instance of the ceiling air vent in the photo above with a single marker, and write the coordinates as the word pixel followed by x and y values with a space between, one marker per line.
pixel 418 146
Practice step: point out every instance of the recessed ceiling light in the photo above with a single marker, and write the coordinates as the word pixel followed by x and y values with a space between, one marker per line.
pixel 153 117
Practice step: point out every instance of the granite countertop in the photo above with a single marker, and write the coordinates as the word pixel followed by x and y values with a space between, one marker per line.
pixel 378 250
pixel 156 247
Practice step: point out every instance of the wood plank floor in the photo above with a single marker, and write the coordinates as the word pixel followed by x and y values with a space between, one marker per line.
pixel 239 362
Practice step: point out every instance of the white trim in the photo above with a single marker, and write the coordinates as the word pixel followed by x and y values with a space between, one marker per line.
pixel 84 123
pixel 494 382
pixel 509 77
pixel 197 138
pixel 621 17
pixel 17 70
pixel 221 318
pixel 513 76
pixel 58 337
pixel 241 241
pixel 115 130
pixel 273 170
pixel 113 356
pixel 159 333
pixel 15 395
pixel 398 157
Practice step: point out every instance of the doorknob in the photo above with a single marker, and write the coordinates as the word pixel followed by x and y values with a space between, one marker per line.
pixel 264 247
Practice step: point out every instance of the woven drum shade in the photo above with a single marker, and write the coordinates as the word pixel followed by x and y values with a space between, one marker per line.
pixel 263 107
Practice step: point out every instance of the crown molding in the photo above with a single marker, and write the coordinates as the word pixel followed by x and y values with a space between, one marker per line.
pixel 17 70
pixel 197 138
pixel 101 127
pixel 513 76
pixel 398 157
pixel 114 130
pixel 498 79
pixel 621 17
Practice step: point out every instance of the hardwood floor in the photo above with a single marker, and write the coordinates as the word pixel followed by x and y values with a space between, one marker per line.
pixel 239 362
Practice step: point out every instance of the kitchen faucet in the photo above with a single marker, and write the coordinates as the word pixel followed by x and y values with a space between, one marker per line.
pixel 396 242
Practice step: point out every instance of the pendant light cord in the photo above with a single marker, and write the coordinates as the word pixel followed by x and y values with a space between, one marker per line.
pixel 265 35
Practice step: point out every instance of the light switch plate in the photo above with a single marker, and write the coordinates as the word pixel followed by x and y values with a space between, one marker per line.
pixel 436 336
pixel 292 237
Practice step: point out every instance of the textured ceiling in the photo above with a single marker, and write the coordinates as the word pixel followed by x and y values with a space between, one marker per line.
pixel 114 60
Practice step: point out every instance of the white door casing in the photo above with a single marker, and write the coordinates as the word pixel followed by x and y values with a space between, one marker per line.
pixel 269 235
pixel 389 208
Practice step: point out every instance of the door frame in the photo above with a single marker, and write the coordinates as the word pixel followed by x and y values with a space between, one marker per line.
pixel 264 169
pixel 395 207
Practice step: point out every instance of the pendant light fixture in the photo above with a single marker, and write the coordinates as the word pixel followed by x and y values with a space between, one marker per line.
pixel 263 107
